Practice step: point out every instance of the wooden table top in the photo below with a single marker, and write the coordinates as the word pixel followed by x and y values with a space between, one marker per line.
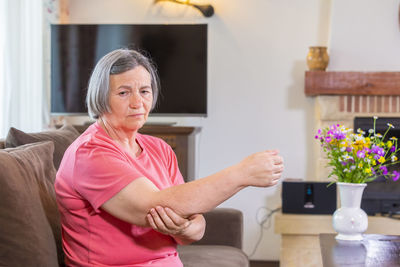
pixel 374 250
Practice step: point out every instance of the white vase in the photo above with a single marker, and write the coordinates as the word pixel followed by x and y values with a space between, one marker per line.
pixel 350 221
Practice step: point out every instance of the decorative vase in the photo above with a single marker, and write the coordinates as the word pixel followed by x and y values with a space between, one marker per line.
pixel 350 221
pixel 317 58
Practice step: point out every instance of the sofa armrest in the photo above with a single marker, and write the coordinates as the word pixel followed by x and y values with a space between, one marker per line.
pixel 224 226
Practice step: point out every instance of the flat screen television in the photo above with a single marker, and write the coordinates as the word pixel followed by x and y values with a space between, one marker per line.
pixel 179 52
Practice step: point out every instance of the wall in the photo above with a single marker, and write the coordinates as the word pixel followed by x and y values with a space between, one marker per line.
pixel 256 64
pixel 365 35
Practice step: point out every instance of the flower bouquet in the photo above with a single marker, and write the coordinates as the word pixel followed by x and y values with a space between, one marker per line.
pixel 359 157
pixel 356 158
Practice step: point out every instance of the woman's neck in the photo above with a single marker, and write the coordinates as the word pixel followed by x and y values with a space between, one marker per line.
pixel 122 137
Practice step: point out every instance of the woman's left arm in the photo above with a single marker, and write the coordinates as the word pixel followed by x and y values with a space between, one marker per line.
pixel 183 230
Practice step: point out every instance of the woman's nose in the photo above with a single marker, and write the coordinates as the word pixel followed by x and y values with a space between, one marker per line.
pixel 135 101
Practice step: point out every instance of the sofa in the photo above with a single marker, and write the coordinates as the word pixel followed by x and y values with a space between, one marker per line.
pixel 30 230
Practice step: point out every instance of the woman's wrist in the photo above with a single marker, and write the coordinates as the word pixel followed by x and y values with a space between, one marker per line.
pixel 194 232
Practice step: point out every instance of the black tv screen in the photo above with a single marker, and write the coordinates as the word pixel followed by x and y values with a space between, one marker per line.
pixel 179 52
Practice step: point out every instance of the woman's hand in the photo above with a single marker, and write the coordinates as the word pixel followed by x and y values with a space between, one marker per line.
pixel 262 169
pixel 184 231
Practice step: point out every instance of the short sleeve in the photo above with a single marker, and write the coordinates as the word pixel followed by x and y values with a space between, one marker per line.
pixel 173 168
pixel 100 172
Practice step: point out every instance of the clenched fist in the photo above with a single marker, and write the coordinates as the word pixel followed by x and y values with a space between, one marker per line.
pixel 262 169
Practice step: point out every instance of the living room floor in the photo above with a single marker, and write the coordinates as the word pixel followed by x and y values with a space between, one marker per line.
pixel 264 264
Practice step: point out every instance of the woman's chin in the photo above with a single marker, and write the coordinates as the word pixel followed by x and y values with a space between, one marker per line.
pixel 135 126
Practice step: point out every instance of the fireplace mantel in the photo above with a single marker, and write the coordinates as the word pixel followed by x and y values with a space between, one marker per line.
pixel 352 83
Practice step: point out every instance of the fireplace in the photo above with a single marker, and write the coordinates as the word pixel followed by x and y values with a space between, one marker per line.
pixel 352 99
pixel 381 195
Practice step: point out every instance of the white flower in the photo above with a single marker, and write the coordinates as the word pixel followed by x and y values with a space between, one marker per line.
pixel 352 167
pixel 390 125
pixel 371 131
pixel 375 117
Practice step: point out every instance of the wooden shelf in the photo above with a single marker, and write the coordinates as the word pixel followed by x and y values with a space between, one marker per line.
pixel 352 83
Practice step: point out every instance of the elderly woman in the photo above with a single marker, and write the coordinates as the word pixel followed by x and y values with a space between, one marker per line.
pixel 121 196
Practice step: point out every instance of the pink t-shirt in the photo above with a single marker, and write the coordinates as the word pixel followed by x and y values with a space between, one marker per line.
pixel 93 170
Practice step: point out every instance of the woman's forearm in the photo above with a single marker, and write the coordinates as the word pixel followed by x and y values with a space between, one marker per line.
pixel 201 195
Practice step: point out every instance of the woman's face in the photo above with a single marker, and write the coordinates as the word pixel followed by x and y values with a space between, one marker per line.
pixel 130 99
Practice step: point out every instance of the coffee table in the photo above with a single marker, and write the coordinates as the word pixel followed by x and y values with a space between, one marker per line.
pixel 374 250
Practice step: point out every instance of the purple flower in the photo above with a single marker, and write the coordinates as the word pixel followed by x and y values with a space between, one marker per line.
pixel 383 169
pixel 349 149
pixel 378 150
pixel 339 135
pixel 361 154
pixel 396 175
pixel 373 171
pixel 344 163
pixel 393 149
pixel 316 137
pixel 328 139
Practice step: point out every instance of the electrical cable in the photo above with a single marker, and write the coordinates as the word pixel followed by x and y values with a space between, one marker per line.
pixel 264 220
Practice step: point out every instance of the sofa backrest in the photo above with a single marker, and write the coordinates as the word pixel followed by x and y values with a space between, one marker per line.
pixel 224 226
pixel 30 230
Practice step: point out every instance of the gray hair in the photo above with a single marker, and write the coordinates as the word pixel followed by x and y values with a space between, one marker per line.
pixel 115 62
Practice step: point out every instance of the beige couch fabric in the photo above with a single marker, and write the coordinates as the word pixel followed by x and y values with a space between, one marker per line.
pixel 26 238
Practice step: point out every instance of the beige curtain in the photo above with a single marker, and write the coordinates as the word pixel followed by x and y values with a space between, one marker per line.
pixel 21 65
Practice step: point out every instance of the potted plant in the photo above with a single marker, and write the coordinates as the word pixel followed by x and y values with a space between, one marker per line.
pixel 356 159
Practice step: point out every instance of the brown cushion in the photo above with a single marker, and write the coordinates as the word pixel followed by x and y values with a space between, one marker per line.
pixel 62 138
pixel 26 237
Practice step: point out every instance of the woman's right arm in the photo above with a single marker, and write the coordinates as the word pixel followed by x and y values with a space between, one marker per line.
pixel 134 201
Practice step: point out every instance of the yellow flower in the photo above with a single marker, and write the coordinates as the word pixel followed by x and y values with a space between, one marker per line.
pixel 360 165
pixel 389 144
pixel 381 160
pixel 367 170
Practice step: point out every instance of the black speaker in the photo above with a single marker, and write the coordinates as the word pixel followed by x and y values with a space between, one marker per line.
pixel 307 197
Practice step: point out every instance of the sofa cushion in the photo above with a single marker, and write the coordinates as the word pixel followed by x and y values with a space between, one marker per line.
pixel 62 138
pixel 27 206
pixel 215 256
pixel 224 227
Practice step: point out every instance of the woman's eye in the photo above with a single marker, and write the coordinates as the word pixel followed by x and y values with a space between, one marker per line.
pixel 123 93
pixel 145 92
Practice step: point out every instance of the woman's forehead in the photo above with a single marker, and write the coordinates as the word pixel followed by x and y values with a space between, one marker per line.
pixel 136 75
